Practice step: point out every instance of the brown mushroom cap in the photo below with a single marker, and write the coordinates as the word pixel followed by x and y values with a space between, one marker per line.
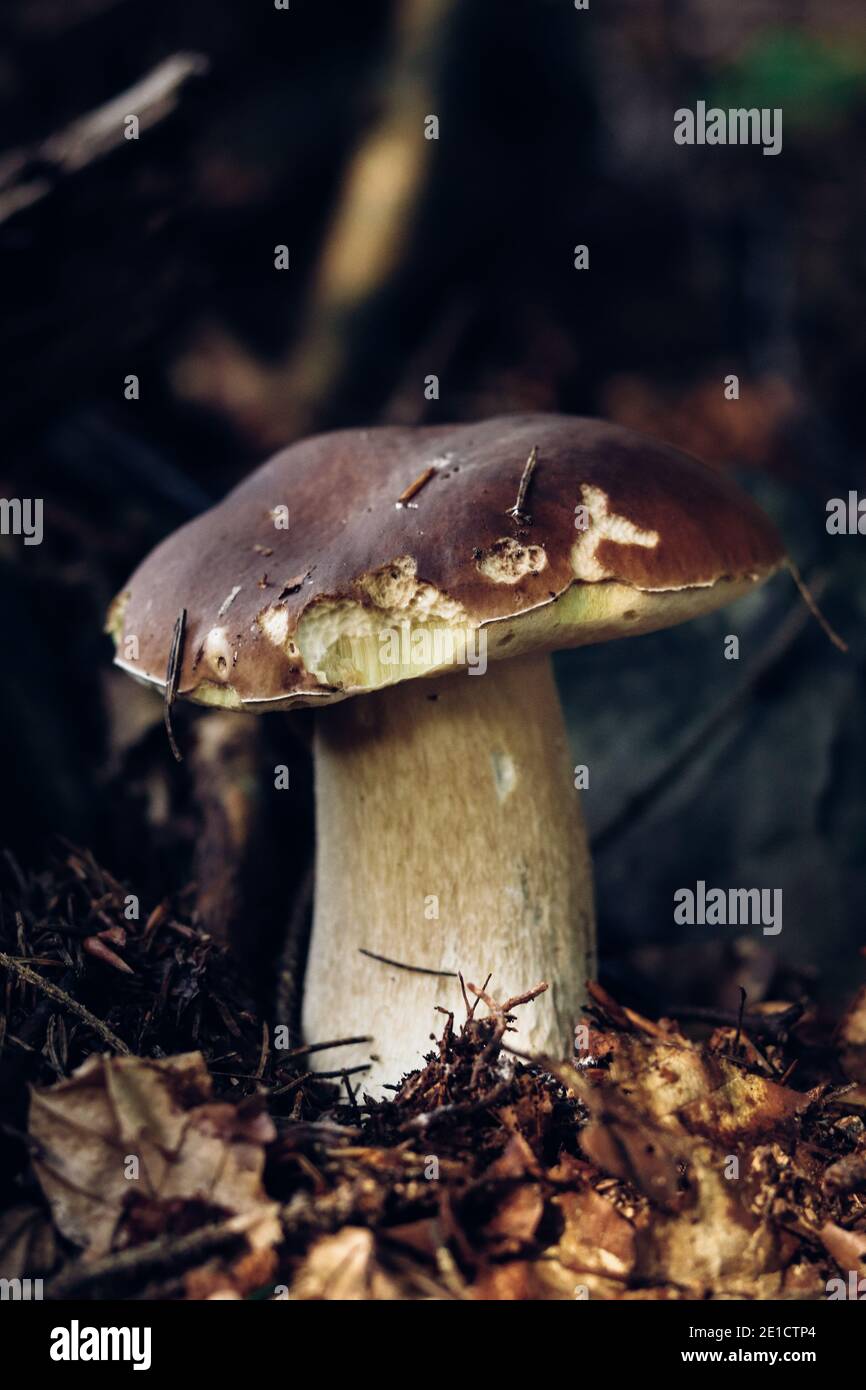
pixel 296 616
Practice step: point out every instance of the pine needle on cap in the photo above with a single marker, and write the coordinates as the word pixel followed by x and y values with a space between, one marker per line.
pixel 517 512
pixel 172 680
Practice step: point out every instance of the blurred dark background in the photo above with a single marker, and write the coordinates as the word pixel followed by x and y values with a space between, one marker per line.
pixel 155 258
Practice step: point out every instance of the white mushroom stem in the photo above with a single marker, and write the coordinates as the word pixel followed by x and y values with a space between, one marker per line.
pixel 449 837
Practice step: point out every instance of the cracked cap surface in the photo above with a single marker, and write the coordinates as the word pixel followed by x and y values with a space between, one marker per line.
pixel 312 581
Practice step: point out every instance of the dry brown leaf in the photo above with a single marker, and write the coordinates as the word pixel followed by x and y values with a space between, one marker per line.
pixel 595 1238
pixel 680 1086
pixel 848 1248
pixel 28 1246
pixel 521 1208
pixel 516 1220
pixel 715 1245
pixel 122 1131
pixel 247 1272
pixel 527 1281
pixel 343 1267
pixel 847 1175
pixel 616 1143
pixel 424 1236
pixel 665 1117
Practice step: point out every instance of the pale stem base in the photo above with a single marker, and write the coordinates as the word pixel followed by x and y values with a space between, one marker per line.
pixel 449 836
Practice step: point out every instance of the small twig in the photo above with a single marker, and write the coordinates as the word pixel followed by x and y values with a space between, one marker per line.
pixel 172 679
pixel 343 1071
pixel 526 998
pixel 263 1056
pixel 54 991
pixel 421 481
pixel 324 1046
pixel 143 1261
pixel 30 1036
pixel 401 965
pixel 812 606
pixel 291 1085
pixel 465 1107
pixel 502 1010
pixel 516 512
pixel 837 1092
pixel 478 997
pixel 351 1094
pixel 95 134
pixel 774 1026
pixel 789 1072
pixel 740 1018
pixel 501 1014
pixel 448 1031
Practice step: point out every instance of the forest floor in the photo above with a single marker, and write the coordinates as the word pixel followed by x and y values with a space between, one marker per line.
pixel 160 1140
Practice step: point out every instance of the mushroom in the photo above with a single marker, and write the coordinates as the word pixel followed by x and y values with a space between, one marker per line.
pixel 449 834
